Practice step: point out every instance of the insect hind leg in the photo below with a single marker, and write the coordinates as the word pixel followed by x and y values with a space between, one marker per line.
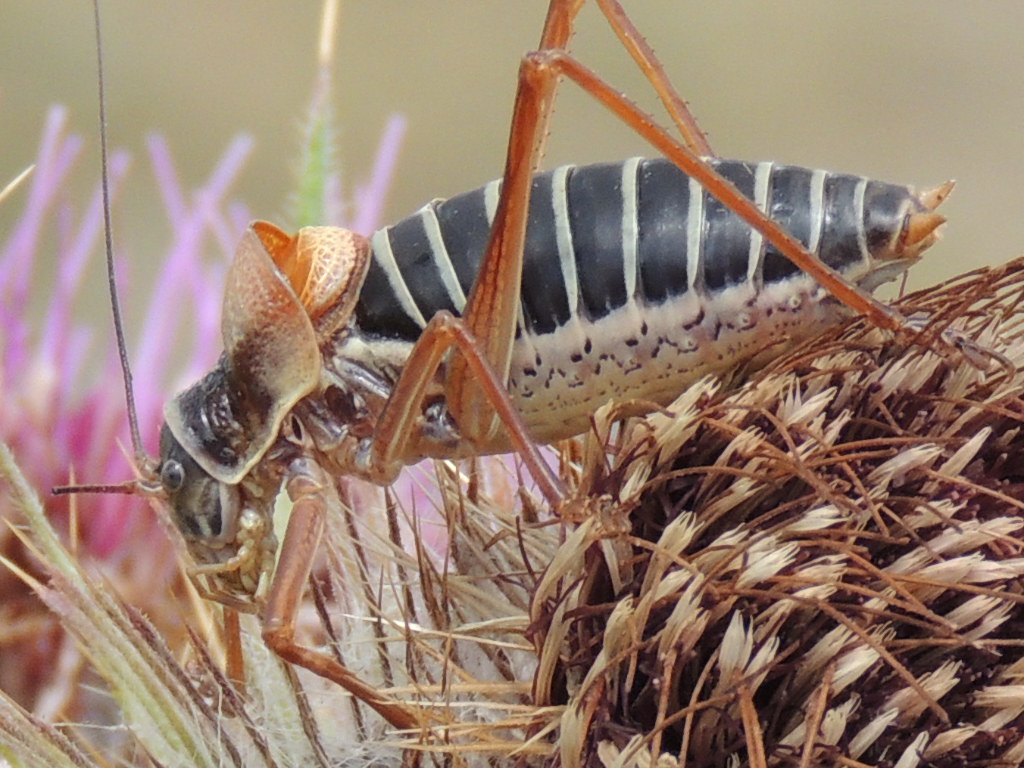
pixel 558 29
pixel 693 136
pixel 491 312
pixel 558 63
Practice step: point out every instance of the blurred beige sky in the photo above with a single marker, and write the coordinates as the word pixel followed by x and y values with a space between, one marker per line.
pixel 907 91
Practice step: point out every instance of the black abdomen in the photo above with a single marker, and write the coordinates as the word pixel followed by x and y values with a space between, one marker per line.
pixel 600 236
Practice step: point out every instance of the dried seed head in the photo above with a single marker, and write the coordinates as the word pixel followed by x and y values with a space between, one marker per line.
pixel 825 567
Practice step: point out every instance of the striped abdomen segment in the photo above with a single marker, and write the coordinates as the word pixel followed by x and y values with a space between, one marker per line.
pixel 631 266
pixel 641 230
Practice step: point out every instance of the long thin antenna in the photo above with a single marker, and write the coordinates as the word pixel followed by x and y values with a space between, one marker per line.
pixel 115 303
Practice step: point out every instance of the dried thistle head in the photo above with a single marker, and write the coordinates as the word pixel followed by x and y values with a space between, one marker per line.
pixel 818 566
pixel 823 565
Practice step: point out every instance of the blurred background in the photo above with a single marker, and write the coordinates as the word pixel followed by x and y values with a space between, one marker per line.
pixel 915 91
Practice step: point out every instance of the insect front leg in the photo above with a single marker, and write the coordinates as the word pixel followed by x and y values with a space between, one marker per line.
pixel 312 493
pixel 396 425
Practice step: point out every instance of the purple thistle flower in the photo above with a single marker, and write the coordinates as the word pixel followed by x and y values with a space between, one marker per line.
pixel 54 422
pixel 62 409
pixel 56 425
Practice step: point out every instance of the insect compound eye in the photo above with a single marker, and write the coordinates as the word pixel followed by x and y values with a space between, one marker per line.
pixel 172 475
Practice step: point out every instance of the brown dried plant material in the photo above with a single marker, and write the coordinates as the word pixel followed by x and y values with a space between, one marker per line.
pixel 822 566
